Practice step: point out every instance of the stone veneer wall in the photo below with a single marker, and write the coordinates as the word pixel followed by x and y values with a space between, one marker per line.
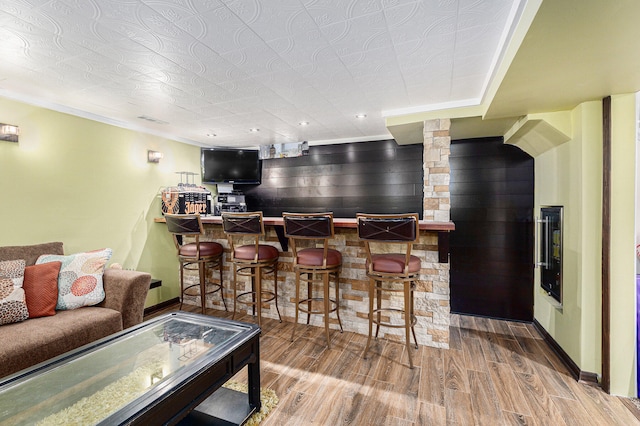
pixel 437 207
pixel 432 289
pixel 437 148
pixel 431 297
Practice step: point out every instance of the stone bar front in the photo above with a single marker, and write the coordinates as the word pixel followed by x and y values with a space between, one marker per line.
pixel 431 295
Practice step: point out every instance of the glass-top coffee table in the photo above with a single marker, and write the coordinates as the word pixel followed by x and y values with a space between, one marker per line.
pixel 163 371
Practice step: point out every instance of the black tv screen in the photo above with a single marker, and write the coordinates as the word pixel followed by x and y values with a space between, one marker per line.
pixel 235 166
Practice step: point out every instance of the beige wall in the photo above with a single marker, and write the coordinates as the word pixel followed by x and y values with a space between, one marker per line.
pixel 571 175
pixel 89 185
pixel 623 289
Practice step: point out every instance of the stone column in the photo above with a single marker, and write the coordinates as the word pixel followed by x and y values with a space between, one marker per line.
pixel 432 299
pixel 437 198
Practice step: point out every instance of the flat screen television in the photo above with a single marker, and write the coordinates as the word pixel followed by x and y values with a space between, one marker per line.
pixel 231 166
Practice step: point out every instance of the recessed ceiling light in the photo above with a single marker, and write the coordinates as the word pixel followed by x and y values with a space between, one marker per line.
pixel 211 135
pixel 303 123
pixel 253 130
pixel 361 115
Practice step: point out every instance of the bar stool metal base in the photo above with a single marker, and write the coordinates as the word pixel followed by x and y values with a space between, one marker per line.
pixel 256 272
pixel 201 286
pixel 376 289
pixel 328 305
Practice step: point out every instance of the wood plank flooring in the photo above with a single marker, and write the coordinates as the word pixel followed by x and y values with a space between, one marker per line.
pixel 495 373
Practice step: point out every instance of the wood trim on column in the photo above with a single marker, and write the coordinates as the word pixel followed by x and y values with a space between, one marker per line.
pixel 606 242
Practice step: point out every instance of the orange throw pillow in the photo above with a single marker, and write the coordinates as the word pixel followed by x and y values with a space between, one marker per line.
pixel 41 288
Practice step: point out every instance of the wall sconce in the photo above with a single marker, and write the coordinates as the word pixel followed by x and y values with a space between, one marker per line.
pixel 9 132
pixel 154 156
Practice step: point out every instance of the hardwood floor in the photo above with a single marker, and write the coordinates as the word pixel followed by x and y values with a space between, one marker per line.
pixel 495 373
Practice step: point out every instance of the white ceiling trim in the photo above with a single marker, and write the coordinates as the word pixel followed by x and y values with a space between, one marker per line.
pixel 430 108
pixel 514 19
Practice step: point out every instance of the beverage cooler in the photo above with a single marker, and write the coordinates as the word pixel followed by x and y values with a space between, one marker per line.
pixel 549 250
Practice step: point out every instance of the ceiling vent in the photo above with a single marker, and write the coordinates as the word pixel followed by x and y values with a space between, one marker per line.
pixel 151 119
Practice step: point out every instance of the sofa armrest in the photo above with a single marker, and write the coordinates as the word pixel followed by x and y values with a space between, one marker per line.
pixel 126 292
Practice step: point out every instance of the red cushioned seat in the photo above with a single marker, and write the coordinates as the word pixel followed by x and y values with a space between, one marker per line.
pixel 393 263
pixel 206 249
pixel 248 252
pixel 314 257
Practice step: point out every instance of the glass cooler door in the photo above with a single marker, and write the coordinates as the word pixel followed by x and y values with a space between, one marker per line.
pixel 550 250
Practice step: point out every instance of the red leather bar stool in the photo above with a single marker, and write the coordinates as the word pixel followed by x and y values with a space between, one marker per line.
pixel 391 269
pixel 251 260
pixel 197 255
pixel 314 263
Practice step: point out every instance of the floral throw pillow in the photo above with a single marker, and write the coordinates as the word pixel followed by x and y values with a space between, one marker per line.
pixel 80 278
pixel 13 307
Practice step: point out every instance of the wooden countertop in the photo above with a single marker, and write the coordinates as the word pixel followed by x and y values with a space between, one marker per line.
pixel 338 222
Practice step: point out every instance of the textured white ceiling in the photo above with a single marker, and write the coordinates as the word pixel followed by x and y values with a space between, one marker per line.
pixel 193 67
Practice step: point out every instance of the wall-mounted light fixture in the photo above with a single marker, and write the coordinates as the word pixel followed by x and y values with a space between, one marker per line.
pixel 9 132
pixel 154 156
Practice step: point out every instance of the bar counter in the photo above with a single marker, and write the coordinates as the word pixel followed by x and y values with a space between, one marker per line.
pixel 431 294
pixel 442 228
pixel 338 222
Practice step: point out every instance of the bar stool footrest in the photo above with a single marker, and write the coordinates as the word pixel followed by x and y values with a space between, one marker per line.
pixel 217 287
pixel 306 310
pixel 249 271
pixel 270 296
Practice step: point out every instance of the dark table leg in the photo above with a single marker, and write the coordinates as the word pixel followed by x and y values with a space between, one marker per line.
pixel 253 372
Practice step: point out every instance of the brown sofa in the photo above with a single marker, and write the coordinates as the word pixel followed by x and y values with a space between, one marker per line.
pixel 27 343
